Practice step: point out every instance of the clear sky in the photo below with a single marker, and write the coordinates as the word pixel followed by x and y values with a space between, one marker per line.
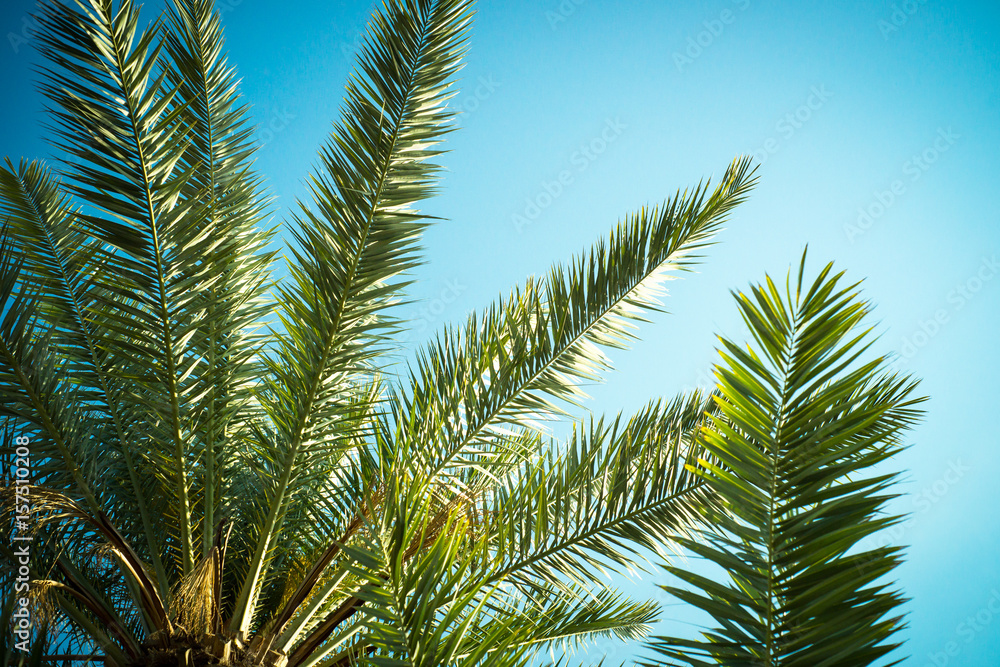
pixel 876 125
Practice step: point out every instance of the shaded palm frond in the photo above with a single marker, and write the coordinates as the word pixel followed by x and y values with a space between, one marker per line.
pixel 803 424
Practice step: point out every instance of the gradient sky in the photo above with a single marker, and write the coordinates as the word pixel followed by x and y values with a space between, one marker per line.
pixel 876 126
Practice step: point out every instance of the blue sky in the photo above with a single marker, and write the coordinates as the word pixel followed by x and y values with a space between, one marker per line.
pixel 876 128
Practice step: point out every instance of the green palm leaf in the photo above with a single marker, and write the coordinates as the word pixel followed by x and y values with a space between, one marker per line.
pixel 229 197
pixel 803 424
pixel 59 267
pixel 516 362
pixel 613 491
pixel 360 236
pixel 123 145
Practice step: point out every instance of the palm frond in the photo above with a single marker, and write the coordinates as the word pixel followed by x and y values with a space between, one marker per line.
pixel 352 246
pixel 58 262
pixel 565 619
pixel 229 197
pixel 613 491
pixel 513 364
pixel 803 424
pixel 36 396
pixel 122 145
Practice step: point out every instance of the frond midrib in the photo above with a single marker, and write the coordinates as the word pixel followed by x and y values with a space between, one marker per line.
pixel 82 324
pixel 773 461
pixel 187 546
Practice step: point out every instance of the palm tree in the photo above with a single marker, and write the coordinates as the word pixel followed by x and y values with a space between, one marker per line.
pixel 217 485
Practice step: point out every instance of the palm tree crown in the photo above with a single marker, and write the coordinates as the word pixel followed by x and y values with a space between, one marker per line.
pixel 224 473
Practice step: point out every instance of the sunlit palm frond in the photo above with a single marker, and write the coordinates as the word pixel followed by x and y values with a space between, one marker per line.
pixel 614 490
pixel 515 363
pixel 229 197
pixel 360 233
pixel 122 143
